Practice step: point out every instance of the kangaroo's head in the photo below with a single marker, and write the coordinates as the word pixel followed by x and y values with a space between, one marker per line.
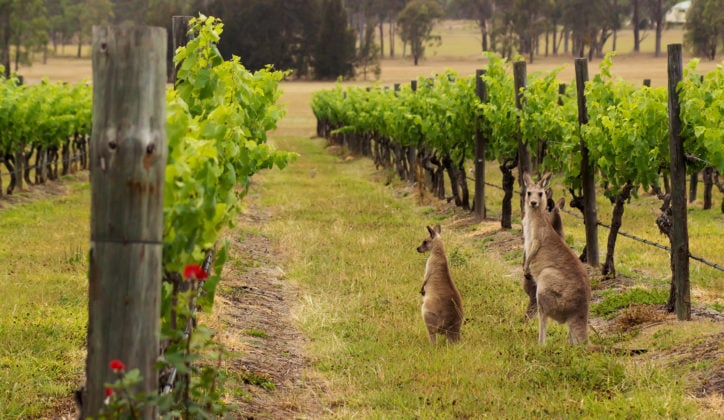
pixel 535 192
pixel 427 244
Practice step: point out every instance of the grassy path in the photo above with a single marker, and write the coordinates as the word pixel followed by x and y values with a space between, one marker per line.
pixel 349 242
pixel 44 308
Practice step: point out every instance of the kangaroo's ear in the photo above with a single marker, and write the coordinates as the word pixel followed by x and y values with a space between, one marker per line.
pixel 438 229
pixel 561 203
pixel 432 232
pixel 527 180
pixel 545 180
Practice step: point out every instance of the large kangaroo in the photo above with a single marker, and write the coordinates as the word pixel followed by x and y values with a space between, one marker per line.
pixel 562 288
pixel 554 214
pixel 442 308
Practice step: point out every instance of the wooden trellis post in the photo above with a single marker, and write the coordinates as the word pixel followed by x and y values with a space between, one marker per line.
pixel 480 145
pixel 590 211
pixel 181 37
pixel 679 229
pixel 127 163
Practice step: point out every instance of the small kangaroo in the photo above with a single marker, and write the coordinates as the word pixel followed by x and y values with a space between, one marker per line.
pixel 442 308
pixel 554 214
pixel 563 291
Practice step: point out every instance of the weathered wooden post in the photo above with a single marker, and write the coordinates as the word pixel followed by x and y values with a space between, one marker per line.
pixel 590 210
pixel 127 163
pixel 480 143
pixel 19 157
pixel 679 229
pixel 520 81
pixel 181 36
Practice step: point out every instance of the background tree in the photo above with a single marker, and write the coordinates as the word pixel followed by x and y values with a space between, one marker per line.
pixel 416 22
pixel 269 32
pixel 386 11
pixel 335 51
pixel 129 11
pixel 28 29
pixel 88 13
pixel 656 10
pixel 528 23
pixel 479 10
pixel 704 27
pixel 588 25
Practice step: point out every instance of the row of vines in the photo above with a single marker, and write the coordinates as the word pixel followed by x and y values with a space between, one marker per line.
pixel 429 128
pixel 44 131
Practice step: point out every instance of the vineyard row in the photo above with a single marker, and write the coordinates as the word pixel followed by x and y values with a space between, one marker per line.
pixel 603 134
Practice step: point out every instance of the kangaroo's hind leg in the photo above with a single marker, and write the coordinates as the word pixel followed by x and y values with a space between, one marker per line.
pixel 432 324
pixel 542 326
pixel 578 329
pixel 453 334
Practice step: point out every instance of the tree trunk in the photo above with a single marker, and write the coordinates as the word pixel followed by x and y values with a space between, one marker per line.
pixel 614 41
pixel 608 268
pixel 452 174
pixel 693 184
pixel 483 34
pixel 392 39
pixel 635 23
pixel 9 160
pixel 506 216
pixel 27 167
pixel 80 42
pixel 65 156
pixel 481 92
pixel 663 222
pixel 524 163
pixel 128 160
pixel 720 185
pixel 708 180
pixel 587 172
pixel 659 29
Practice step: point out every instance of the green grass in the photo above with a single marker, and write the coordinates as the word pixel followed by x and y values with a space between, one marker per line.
pixel 350 242
pixel 614 300
pixel 43 313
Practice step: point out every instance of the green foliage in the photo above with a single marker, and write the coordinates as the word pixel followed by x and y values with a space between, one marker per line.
pixel 702 108
pixel 627 132
pixel 415 24
pixel 217 121
pixel 500 115
pixel 45 115
pixel 614 300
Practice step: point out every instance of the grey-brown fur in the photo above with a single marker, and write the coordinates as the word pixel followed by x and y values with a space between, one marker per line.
pixel 442 308
pixel 563 291
pixel 554 215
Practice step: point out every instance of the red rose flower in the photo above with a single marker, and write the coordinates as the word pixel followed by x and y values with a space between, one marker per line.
pixel 195 272
pixel 109 392
pixel 117 365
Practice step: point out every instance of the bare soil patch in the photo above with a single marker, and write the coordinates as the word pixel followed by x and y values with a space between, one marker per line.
pixel 32 193
pixel 270 373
